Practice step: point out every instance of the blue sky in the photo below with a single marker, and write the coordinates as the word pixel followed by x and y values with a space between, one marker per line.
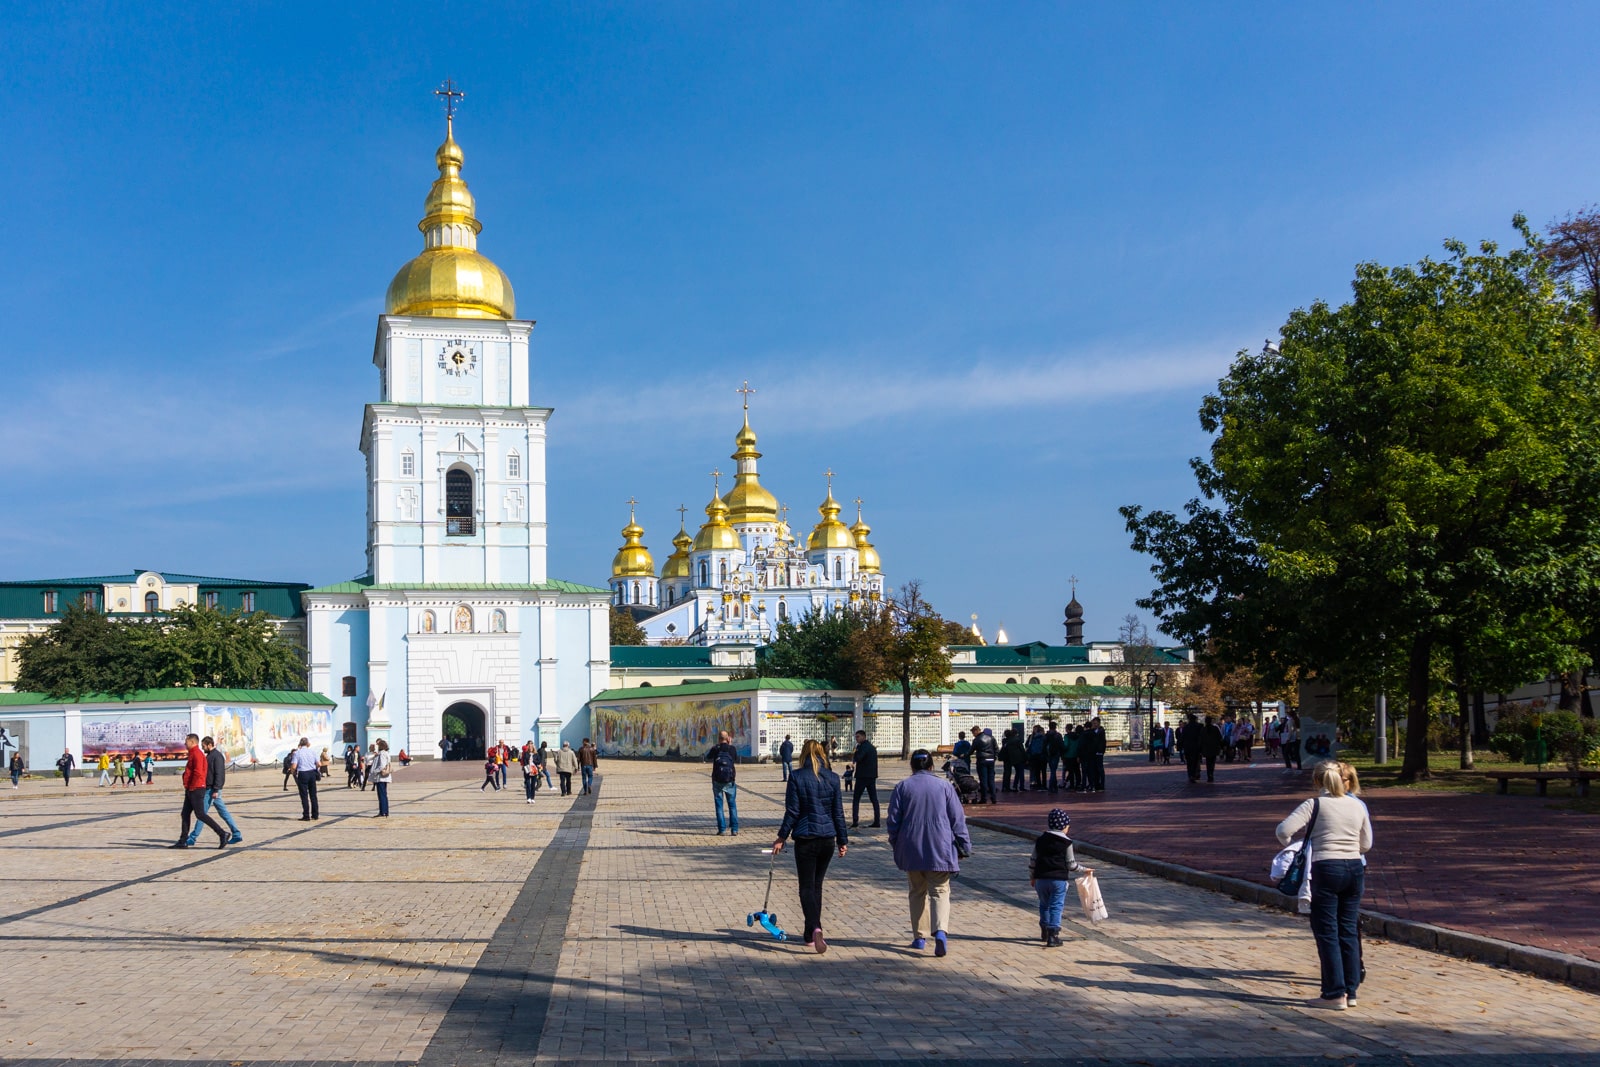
pixel 981 260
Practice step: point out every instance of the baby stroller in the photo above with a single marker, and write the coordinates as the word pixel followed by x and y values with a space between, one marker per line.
pixel 960 775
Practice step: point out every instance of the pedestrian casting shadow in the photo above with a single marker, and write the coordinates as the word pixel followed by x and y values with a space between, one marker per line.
pixel 1160 970
pixel 742 936
pixel 1158 989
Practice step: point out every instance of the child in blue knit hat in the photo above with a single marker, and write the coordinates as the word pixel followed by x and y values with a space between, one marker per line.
pixel 1051 866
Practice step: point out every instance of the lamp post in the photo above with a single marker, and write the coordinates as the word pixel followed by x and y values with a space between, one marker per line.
pixel 1050 708
pixel 1380 743
pixel 1150 685
pixel 827 720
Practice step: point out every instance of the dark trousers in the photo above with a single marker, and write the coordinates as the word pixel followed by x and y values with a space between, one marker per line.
pixel 1336 887
pixel 870 787
pixel 566 782
pixel 307 781
pixel 1055 763
pixel 1013 779
pixel 1036 772
pixel 194 807
pixel 490 778
pixel 787 765
pixel 1211 766
pixel 383 797
pixel 986 781
pixel 1291 754
pixel 811 858
pixel 527 784
pixel 1095 768
pixel 1192 758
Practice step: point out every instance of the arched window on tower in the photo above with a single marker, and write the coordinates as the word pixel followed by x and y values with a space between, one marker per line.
pixel 705 574
pixel 1081 680
pixel 722 572
pixel 458 518
pixel 838 569
pixel 783 611
pixel 669 596
pixel 635 592
pixel 152 603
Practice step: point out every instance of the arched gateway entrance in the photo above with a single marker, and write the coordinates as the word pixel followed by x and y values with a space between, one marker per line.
pixel 465 726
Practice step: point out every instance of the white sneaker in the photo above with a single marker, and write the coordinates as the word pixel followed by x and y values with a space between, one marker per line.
pixel 530 800
pixel 1327 1003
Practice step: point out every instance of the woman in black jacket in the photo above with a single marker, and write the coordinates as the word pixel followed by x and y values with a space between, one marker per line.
pixel 813 811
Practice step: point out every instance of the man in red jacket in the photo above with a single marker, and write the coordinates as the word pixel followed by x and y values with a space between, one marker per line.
pixel 194 795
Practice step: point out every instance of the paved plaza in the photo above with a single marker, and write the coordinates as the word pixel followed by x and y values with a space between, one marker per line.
pixel 473 928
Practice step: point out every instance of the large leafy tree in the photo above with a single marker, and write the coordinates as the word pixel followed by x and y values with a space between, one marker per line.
pixel 625 629
pixel 912 639
pixel 1418 463
pixel 88 652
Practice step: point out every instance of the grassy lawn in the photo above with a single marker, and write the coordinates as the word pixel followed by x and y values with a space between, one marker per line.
pixel 1447 776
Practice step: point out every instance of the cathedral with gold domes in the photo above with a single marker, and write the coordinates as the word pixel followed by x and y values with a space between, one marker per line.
pixel 744 572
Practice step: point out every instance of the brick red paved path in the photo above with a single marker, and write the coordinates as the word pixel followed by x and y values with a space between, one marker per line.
pixel 1508 867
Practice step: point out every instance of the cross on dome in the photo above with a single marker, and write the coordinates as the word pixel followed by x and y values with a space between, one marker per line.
pixel 746 390
pixel 450 94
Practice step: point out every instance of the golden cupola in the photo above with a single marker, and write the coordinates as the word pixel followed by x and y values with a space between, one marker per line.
pixel 830 532
pixel 868 562
pixel 716 535
pixel 632 560
pixel 451 279
pixel 677 564
pixel 749 500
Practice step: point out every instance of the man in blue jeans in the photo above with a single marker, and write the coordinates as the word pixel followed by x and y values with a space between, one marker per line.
pixel 724 760
pixel 786 756
pixel 216 776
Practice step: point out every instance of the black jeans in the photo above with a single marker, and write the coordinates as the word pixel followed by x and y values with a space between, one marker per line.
pixel 870 787
pixel 1192 758
pixel 1095 768
pixel 1336 887
pixel 194 807
pixel 307 781
pixel 986 780
pixel 1211 766
pixel 527 784
pixel 566 782
pixel 811 858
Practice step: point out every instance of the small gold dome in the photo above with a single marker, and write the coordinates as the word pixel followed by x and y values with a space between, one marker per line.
pixel 677 564
pixel 749 500
pixel 632 560
pixel 451 278
pixel 830 532
pixel 716 535
pixel 868 562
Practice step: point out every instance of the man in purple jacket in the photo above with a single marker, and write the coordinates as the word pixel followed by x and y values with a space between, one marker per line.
pixel 928 833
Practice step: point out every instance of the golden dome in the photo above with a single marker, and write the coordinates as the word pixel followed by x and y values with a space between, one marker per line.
pixel 716 535
pixel 830 532
pixel 632 560
pixel 451 279
pixel 749 500
pixel 868 562
pixel 677 564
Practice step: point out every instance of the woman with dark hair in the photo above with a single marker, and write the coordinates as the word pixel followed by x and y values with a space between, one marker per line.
pixel 813 811
pixel 382 771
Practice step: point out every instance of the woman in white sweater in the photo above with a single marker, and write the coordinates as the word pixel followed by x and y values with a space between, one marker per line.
pixel 1341 836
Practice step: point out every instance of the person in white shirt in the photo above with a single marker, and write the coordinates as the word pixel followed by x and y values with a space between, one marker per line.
pixel 1339 837
pixel 304 762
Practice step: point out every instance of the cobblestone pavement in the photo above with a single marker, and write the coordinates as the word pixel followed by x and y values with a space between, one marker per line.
pixel 473 928
pixel 1454 859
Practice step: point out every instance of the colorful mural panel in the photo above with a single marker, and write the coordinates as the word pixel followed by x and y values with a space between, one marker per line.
pixel 670 728
pixel 265 735
pixel 163 737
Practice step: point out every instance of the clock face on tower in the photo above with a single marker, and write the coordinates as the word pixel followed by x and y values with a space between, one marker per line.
pixel 458 358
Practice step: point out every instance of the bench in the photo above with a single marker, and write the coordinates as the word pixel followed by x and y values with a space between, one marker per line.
pixel 1542 780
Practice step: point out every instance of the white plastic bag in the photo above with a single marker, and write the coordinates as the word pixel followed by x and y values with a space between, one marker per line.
pixel 1094 905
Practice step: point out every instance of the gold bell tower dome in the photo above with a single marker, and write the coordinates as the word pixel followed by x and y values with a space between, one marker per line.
pixel 451 279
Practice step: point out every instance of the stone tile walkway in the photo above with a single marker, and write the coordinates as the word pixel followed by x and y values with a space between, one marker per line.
pixel 1518 868
pixel 472 928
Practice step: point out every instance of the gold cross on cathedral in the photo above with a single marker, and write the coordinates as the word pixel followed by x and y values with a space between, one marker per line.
pixel 632 503
pixel 858 509
pixel 829 473
pixel 450 94
pixel 716 482
pixel 683 514
pixel 746 390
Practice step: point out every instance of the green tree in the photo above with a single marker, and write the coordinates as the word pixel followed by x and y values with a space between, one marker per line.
pixel 1417 463
pixel 625 629
pixel 910 639
pixel 823 645
pixel 84 653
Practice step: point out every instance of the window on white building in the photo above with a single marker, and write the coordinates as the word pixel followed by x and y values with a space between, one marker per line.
pixel 838 569
pixel 513 465
pixel 783 611
pixel 408 464
pixel 458 517
pixel 152 603
pixel 705 574
pixel 635 592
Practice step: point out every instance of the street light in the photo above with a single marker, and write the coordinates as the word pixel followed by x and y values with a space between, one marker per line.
pixel 1150 684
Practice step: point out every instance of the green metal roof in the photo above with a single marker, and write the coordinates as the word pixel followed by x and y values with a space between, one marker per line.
pixel 170 696
pixel 24 598
pixel 1039 654
pixel 693 689
pixel 664 656
pixel 690 689
pixel 361 585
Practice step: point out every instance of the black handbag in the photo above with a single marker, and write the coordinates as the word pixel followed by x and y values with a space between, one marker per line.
pixel 1295 877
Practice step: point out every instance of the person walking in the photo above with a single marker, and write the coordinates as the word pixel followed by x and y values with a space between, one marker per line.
pixel 984 755
pixel 119 769
pixel 1212 743
pixel 502 759
pixel 724 760
pixel 1158 744
pixel 381 773
pixel 64 764
pixel 1013 755
pixel 194 793
pixel 865 761
pixel 1036 758
pixel 351 755
pixel 813 811
pixel 928 834
pixel 543 763
pixel 16 769
pixel 1189 740
pixel 1052 865
pixel 216 777
pixel 491 774
pixel 303 762
pixel 1339 834
pixel 786 757
pixel 1244 737
pixel 103 764
pixel 566 762
pixel 1071 759
pixel 1095 744
pixel 588 760
pixel 530 772
pixel 133 771
pixel 149 768
pixel 288 769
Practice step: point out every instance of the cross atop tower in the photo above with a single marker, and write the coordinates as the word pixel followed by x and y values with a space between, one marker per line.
pixel 858 509
pixel 829 473
pixel 716 482
pixel 682 513
pixel 746 390
pixel 450 94
pixel 1074 580
pixel 632 503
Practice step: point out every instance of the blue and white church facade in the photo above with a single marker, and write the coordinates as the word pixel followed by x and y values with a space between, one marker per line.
pixel 456 614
